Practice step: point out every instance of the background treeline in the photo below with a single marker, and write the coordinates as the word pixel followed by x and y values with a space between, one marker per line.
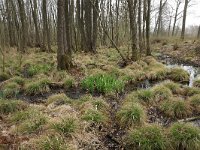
pixel 87 24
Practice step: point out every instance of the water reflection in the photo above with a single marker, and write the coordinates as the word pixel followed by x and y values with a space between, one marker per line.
pixel 172 63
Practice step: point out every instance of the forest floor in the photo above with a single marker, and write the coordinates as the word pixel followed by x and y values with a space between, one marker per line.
pixel 98 105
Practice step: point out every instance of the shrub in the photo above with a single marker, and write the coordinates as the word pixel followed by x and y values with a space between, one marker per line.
pixel 130 115
pixel 11 106
pixel 37 87
pixel 161 93
pixel 179 75
pixel 93 116
pixel 185 136
pixel 146 96
pixel 66 127
pixel 102 83
pixel 147 138
pixel 176 108
pixel 58 99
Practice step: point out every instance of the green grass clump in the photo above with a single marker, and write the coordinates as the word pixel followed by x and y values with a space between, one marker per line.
pixel 53 142
pixel 102 83
pixel 68 83
pixel 17 79
pixel 4 76
pixel 176 108
pixel 145 96
pixel 66 126
pixel 195 102
pixel 37 87
pixel 185 136
pixel 131 115
pixel 197 83
pixel 38 68
pixel 11 106
pixel 161 93
pixel 31 123
pixel 147 138
pixel 58 99
pixel 190 91
pixel 95 116
pixel 10 90
pixel 174 87
pixel 179 75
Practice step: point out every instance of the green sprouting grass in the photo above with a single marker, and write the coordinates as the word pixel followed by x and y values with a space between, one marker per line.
pixel 38 68
pixel 185 136
pixel 147 138
pixel 103 83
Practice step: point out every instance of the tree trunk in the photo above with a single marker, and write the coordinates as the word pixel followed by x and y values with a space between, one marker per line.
pixel 184 19
pixel 35 20
pixel 148 27
pixel 64 57
pixel 133 28
pixel 46 32
pixel 24 30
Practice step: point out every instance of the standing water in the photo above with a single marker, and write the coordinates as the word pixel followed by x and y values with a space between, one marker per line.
pixel 172 63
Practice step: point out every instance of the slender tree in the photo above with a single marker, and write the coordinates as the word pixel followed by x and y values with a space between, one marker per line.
pixel 64 57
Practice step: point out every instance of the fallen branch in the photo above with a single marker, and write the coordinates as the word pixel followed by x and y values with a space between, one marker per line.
pixel 189 119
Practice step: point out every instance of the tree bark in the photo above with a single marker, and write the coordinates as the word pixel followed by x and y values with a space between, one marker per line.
pixel 64 57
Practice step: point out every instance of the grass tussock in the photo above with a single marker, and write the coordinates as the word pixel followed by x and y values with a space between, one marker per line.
pixel 176 108
pixel 11 106
pixel 66 126
pixel 94 116
pixel 174 87
pixel 185 136
pixel 10 90
pixel 28 122
pixel 161 93
pixel 197 83
pixel 37 87
pixel 195 102
pixel 58 99
pixel 131 115
pixel 179 75
pixel 147 138
pixel 145 96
